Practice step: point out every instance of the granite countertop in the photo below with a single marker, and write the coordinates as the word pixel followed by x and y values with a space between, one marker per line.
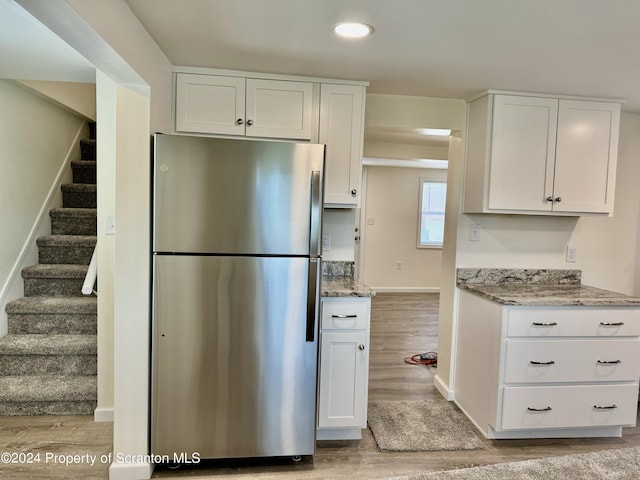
pixel 538 287
pixel 338 281
pixel 333 286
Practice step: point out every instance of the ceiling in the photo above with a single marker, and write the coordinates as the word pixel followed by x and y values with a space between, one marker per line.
pixel 439 48
pixel 29 51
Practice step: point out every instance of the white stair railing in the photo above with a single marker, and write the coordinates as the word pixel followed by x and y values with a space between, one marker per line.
pixel 92 273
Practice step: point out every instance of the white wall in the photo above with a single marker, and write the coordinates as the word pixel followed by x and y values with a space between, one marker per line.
pixel 392 204
pixel 38 140
pixel 115 22
pixel 379 149
pixel 339 224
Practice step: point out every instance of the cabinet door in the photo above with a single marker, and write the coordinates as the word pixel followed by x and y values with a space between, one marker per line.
pixel 210 104
pixel 522 153
pixel 586 156
pixel 342 399
pixel 341 129
pixel 279 109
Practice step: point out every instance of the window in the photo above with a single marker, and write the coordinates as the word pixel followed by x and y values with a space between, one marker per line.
pixel 433 196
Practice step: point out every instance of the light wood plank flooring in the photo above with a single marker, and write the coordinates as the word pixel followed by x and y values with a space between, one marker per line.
pixel 402 324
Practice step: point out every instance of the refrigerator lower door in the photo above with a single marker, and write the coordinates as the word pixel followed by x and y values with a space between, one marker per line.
pixel 233 373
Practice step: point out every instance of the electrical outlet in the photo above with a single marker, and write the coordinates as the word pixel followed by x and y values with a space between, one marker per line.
pixel 474 233
pixel 326 242
pixel 398 265
pixel 571 255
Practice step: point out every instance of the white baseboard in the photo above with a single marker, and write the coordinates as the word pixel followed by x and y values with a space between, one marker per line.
pixel 103 414
pixel 130 471
pixel 406 289
pixel 443 388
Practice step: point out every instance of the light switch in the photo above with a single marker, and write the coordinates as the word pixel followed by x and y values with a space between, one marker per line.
pixel 110 225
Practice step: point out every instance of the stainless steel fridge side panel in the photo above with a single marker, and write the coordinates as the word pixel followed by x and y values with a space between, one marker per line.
pixel 233 196
pixel 233 374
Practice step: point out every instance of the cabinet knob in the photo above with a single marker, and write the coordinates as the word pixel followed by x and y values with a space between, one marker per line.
pixel 249 122
pixel 239 121
pixel 353 192
pixel 558 199
pixel 549 199
pixel 361 347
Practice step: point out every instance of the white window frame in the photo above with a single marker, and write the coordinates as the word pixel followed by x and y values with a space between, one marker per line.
pixel 419 244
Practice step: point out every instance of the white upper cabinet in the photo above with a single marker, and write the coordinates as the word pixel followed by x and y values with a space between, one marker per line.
pixel 342 130
pixel 229 105
pixel 541 155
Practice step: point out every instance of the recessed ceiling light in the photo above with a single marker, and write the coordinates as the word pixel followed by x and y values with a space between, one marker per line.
pixel 444 132
pixel 352 29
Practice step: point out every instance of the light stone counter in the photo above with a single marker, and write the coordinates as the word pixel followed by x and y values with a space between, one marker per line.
pixel 537 287
pixel 338 281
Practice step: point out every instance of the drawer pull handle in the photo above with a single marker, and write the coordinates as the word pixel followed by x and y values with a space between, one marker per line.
pixel 545 409
pixel 550 362
pixel 609 362
pixel 605 407
pixel 545 324
pixel 344 316
pixel 611 324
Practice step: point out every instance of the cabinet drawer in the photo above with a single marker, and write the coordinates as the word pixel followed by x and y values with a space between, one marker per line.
pixel 568 406
pixel 573 322
pixel 342 315
pixel 612 360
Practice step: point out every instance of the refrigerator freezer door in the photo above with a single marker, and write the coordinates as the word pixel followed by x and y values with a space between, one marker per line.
pixel 233 375
pixel 227 196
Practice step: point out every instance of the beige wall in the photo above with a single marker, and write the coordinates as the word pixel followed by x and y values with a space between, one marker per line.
pixel 392 203
pixel 38 141
pixel 79 98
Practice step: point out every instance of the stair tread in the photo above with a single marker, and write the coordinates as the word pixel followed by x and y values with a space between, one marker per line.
pixel 73 212
pixel 55 270
pixel 64 240
pixel 83 163
pixel 54 344
pixel 87 305
pixel 42 388
pixel 79 187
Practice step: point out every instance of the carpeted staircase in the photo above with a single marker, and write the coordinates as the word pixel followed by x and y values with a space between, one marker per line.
pixel 48 360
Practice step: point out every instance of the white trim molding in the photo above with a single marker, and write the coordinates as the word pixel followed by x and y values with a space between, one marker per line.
pixel 443 388
pixel 129 471
pixel 102 414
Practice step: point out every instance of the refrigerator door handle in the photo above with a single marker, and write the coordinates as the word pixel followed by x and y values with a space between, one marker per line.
pixel 315 232
pixel 313 297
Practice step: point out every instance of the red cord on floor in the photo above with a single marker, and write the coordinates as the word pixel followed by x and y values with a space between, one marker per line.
pixel 429 358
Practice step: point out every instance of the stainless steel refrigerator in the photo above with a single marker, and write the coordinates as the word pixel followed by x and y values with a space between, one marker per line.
pixel 236 279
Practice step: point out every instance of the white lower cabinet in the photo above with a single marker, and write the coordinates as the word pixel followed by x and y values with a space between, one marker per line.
pixel 536 372
pixel 343 368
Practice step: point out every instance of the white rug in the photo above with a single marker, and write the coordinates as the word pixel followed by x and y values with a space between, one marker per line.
pixel 420 425
pixel 616 464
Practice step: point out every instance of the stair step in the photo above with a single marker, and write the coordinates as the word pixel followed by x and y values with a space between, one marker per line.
pixel 84 171
pixel 53 315
pixel 48 355
pixel 48 395
pixel 88 149
pixel 73 221
pixel 78 195
pixel 54 280
pixel 71 249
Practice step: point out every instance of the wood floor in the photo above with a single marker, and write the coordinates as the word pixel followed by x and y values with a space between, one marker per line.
pixel 401 325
